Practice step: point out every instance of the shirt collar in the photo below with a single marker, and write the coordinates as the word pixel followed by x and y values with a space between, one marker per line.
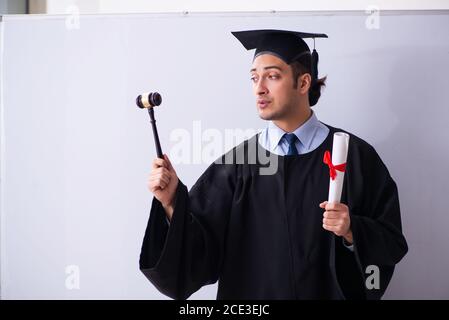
pixel 305 132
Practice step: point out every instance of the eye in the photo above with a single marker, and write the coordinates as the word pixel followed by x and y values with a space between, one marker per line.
pixel 254 79
pixel 273 76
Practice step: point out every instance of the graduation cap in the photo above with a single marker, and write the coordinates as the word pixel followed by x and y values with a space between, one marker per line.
pixel 286 45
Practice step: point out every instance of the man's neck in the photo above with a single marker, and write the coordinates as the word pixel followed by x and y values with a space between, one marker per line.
pixel 294 122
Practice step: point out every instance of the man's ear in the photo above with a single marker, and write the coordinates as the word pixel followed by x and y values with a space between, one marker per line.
pixel 304 83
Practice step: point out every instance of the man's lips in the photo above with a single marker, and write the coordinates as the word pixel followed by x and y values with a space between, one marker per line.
pixel 262 103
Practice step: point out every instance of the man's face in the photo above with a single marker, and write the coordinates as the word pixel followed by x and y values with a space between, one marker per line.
pixel 272 81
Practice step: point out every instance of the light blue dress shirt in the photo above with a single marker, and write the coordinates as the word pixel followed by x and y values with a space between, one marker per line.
pixel 311 134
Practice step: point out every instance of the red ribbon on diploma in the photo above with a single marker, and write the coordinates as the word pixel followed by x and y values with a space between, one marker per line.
pixel 333 168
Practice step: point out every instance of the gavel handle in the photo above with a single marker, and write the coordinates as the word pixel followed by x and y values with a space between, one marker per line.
pixel 156 136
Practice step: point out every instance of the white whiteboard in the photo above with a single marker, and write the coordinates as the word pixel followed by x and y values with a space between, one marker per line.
pixel 76 152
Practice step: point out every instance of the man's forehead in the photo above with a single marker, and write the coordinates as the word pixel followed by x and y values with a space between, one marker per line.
pixel 268 61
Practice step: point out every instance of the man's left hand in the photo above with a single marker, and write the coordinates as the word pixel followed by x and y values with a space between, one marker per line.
pixel 336 219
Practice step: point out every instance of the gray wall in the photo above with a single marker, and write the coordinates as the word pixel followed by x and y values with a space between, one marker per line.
pixel 13 6
pixel 76 151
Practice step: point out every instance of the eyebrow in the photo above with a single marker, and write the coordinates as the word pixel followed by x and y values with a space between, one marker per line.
pixel 266 68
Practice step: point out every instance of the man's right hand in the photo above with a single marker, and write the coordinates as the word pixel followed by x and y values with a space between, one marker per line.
pixel 163 182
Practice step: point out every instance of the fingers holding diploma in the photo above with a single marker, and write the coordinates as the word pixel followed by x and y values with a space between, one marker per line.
pixel 337 220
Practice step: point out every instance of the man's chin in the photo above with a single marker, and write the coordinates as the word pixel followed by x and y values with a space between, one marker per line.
pixel 267 116
pixel 263 117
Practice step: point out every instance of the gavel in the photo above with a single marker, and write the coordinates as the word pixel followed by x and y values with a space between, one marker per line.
pixel 148 101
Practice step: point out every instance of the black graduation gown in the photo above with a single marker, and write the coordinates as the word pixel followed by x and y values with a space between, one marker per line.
pixel 261 236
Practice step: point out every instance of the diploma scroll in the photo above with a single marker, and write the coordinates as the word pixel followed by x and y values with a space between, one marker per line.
pixel 339 156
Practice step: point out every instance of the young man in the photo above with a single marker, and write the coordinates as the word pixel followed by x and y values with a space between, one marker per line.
pixel 273 236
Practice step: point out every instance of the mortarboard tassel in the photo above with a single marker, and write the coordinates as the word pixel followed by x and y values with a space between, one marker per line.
pixel 314 67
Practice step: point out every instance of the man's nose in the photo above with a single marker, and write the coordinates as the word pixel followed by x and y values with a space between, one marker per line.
pixel 261 89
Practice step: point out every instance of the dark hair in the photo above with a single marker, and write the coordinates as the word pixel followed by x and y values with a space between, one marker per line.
pixel 301 66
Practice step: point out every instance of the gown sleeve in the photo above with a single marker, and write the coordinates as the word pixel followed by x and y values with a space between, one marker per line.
pixel 181 257
pixel 375 219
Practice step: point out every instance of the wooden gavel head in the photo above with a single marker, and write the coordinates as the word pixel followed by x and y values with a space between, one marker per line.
pixel 148 100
